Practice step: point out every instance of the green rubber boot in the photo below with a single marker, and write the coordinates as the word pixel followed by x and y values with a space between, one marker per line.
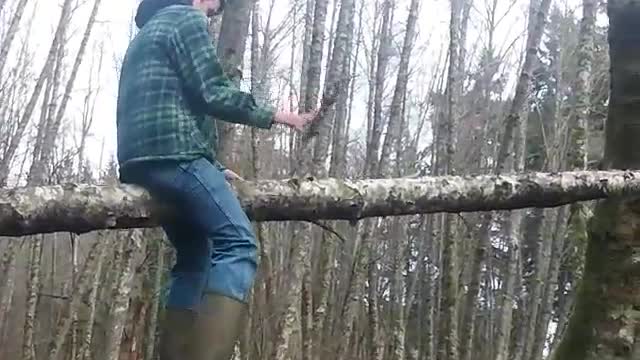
pixel 176 334
pixel 217 327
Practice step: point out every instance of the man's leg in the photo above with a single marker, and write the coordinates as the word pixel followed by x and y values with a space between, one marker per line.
pixel 188 280
pixel 190 273
pixel 217 212
pixel 166 182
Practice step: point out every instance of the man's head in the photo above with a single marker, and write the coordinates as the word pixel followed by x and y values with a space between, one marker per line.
pixel 148 8
pixel 210 7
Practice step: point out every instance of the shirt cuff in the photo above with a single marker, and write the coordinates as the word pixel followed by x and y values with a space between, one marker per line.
pixel 263 117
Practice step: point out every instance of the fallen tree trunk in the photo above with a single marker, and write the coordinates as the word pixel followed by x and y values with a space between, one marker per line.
pixel 83 208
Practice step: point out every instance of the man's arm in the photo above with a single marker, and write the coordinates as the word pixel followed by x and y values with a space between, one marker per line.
pixel 198 65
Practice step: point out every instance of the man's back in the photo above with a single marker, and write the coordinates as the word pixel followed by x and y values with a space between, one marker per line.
pixel 158 117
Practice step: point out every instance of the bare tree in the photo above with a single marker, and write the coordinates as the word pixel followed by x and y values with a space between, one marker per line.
pixel 31 104
pixel 231 45
pixel 5 46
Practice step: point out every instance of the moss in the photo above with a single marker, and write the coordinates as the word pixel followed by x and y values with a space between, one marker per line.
pixel 577 238
pixel 601 326
pixel 590 303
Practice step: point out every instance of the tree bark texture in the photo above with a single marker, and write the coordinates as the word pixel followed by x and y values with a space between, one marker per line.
pixel 82 208
pixel 85 352
pixel 315 55
pixel 536 26
pixel 33 287
pixel 121 302
pixel 231 46
pixel 335 71
pixel 395 112
pixel 375 130
pixel 448 324
pixel 604 322
pixel 98 249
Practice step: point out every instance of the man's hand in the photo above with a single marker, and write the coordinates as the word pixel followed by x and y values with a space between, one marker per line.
pixel 294 120
pixel 229 175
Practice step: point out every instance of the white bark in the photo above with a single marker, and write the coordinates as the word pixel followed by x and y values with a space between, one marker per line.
pixel 122 290
pixel 82 208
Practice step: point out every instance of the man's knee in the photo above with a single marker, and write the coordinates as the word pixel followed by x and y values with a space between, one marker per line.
pixel 234 264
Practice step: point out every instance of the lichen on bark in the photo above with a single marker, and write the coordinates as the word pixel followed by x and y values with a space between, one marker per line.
pixel 82 208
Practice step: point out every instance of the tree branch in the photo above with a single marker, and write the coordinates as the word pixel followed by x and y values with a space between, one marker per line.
pixel 82 208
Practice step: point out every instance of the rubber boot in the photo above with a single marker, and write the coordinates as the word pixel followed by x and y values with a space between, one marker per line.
pixel 177 334
pixel 217 328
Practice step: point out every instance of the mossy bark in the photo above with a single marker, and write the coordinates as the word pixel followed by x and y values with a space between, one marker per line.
pixel 605 318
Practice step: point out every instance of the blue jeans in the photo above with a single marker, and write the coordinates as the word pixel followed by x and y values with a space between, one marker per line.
pixel 215 244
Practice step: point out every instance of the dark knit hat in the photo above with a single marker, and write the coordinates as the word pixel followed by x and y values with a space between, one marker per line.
pixel 148 8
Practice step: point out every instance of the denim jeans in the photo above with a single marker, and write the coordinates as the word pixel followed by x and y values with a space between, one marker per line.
pixel 215 244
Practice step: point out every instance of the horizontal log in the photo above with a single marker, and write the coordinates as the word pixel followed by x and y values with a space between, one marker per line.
pixel 82 208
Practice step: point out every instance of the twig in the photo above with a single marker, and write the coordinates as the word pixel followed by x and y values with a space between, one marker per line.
pixel 328 228
pixel 61 297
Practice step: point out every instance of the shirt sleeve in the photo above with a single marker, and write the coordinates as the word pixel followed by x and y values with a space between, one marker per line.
pixel 198 65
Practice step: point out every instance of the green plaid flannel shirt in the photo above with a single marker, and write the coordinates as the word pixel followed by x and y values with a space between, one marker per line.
pixel 171 88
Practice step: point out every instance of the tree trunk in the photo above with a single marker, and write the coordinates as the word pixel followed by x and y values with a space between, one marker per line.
pixel 8 285
pixel 300 270
pixel 338 66
pixel 293 295
pixel 152 325
pixel 375 131
pixel 82 208
pixel 397 291
pixel 53 130
pixel 394 131
pixel 5 46
pixel 33 178
pixel 344 105
pixel 306 53
pixel 231 45
pixel 33 286
pixel 85 348
pixel 376 344
pixel 603 322
pixel 315 55
pixel 537 20
pixel 342 43
pixel 448 324
pixel 98 250
pixel 577 153
pixel 120 305
pixel 577 158
pixel 479 251
pixel 535 284
pixel 558 239
pixel 513 232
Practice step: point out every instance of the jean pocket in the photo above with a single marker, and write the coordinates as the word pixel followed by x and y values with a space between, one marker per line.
pixel 189 166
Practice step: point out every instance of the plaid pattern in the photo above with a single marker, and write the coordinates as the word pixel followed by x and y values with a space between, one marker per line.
pixel 172 86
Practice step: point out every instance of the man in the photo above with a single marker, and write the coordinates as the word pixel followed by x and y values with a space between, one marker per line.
pixel 171 86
